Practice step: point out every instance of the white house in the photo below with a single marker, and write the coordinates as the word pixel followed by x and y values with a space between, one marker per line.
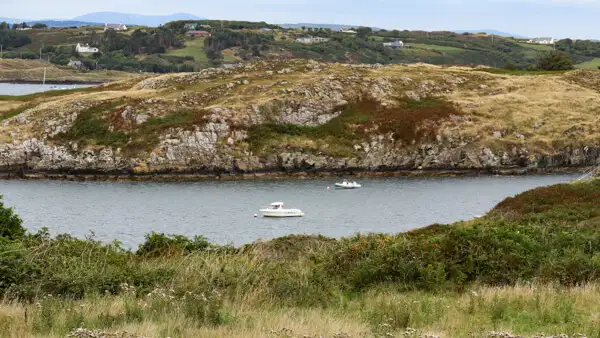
pixel 348 31
pixel 542 41
pixel 395 44
pixel 115 26
pixel 311 39
pixel 85 49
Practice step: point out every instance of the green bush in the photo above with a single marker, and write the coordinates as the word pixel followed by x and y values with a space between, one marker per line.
pixel 163 245
pixel 555 60
pixel 10 223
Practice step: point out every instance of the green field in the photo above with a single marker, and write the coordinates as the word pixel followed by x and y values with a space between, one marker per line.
pixel 193 48
pixel 595 63
pixel 536 47
pixel 443 49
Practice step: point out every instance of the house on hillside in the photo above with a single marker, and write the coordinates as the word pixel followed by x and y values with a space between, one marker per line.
pixel 542 41
pixel 115 26
pixel 197 34
pixel 76 64
pixel 190 26
pixel 348 30
pixel 311 39
pixel 394 45
pixel 85 49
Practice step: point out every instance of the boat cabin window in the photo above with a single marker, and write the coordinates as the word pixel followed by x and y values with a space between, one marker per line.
pixel 275 207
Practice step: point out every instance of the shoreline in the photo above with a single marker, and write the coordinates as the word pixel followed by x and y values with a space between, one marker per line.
pixel 54 82
pixel 193 177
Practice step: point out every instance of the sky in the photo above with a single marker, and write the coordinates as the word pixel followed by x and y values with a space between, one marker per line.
pixel 556 18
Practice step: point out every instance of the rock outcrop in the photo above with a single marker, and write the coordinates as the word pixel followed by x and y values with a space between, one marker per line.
pixel 302 117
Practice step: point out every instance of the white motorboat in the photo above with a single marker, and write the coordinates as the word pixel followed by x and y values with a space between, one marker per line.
pixel 348 185
pixel 277 210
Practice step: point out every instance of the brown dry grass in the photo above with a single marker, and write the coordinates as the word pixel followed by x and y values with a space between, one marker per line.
pixel 515 104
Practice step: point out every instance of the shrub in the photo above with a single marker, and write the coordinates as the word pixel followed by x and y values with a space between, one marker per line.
pixel 555 60
pixel 10 223
pixel 163 245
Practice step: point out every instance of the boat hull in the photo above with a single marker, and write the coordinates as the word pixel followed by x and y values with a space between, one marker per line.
pixel 282 213
pixel 342 186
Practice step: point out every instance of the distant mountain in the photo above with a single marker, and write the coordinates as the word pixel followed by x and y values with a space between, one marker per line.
pixel 53 23
pixel 65 23
pixel 492 32
pixel 321 25
pixel 11 20
pixel 134 19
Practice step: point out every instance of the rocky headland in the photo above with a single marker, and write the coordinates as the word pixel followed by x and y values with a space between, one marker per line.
pixel 304 117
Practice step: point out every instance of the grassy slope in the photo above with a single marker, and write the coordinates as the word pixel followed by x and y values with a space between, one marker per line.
pixel 594 64
pixel 58 37
pixel 289 287
pixel 438 48
pixel 28 70
pixel 193 48
pixel 544 48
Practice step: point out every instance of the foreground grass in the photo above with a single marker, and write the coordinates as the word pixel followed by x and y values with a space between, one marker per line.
pixel 530 266
pixel 526 309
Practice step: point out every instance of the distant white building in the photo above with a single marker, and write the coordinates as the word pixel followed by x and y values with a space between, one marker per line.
pixel 348 31
pixel 115 26
pixel 85 49
pixel 542 41
pixel 395 44
pixel 23 29
pixel 311 39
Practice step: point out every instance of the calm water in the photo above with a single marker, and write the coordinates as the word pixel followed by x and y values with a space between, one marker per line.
pixel 223 211
pixel 25 89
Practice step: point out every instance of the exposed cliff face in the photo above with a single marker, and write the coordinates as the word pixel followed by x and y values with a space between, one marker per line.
pixel 307 116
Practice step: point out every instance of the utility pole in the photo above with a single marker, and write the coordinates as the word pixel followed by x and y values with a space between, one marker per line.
pixel 1 50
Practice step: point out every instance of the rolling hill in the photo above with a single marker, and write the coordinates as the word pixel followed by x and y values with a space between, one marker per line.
pixel 135 19
pixel 491 32
pixel 334 27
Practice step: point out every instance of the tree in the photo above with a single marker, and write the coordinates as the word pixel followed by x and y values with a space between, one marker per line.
pixel 39 26
pixel 363 32
pixel 303 28
pixel 555 60
pixel 4 25
pixel 24 25
pixel 569 42
pixel 10 223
